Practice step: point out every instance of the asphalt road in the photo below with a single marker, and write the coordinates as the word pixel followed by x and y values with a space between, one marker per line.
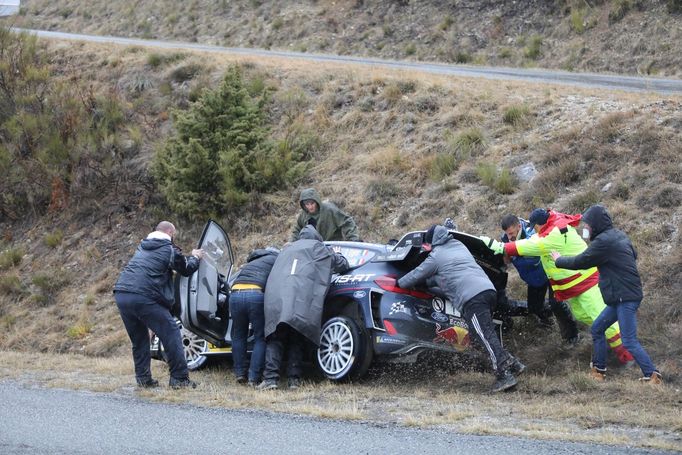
pixel 36 420
pixel 591 80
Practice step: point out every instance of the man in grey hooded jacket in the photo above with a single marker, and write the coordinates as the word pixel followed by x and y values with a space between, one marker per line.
pixel 294 300
pixel 454 270
pixel 331 222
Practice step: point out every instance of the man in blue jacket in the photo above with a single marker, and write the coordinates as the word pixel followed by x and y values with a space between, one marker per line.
pixel 451 267
pixel 531 272
pixel 611 251
pixel 144 295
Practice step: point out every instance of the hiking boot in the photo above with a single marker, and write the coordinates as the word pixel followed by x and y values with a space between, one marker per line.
pixel 182 383
pixel 294 383
pixel 505 381
pixel 242 379
pixel 598 374
pixel 147 383
pixel 268 384
pixel 654 378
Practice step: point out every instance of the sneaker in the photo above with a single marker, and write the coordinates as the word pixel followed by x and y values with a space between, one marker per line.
pixel 505 381
pixel 654 378
pixel 242 379
pixel 598 374
pixel 268 384
pixel 252 384
pixel 147 383
pixel 182 383
pixel 517 367
pixel 294 383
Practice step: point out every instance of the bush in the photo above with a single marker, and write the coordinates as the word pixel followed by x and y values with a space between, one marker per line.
pixel 410 49
pixel 221 153
pixel 578 20
pixel 11 258
pixel 675 6
pixel 502 181
pixel 515 115
pixel 10 284
pixel 467 143
pixel 184 73
pixel 382 189
pixel 442 165
pixel 533 49
pixel 54 239
pixel 79 330
pixel 619 10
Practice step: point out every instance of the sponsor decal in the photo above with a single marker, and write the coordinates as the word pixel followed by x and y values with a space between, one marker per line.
pixel 440 317
pixel 359 294
pixel 459 322
pixel 399 307
pixel 457 337
pixel 388 340
pixel 438 304
pixel 341 279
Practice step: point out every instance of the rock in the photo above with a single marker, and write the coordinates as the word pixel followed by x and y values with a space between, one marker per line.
pixel 606 187
pixel 526 172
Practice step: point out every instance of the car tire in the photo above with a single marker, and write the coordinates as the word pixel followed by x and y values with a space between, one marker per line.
pixel 345 350
pixel 194 348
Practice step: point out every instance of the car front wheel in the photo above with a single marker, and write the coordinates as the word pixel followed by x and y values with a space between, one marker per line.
pixel 345 351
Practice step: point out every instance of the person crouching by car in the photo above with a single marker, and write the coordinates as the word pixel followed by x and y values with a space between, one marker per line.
pixel 144 295
pixel 471 292
pixel 246 307
pixel 611 251
pixel 294 300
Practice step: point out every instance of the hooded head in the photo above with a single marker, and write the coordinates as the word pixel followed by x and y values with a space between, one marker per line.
pixel 436 235
pixel 309 232
pixel 598 219
pixel 310 194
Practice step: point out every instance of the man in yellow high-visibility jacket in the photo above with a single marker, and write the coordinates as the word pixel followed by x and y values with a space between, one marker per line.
pixel 556 232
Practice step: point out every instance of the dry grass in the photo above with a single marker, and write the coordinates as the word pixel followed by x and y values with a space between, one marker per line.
pixel 621 411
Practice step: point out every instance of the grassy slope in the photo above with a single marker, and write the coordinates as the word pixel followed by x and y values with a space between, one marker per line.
pixel 600 36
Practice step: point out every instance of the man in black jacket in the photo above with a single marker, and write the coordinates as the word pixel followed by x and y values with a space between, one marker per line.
pixel 611 251
pixel 144 295
pixel 246 307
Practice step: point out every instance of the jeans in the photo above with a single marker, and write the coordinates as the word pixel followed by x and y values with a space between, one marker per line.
pixel 284 338
pixel 140 314
pixel 477 313
pixel 246 306
pixel 626 315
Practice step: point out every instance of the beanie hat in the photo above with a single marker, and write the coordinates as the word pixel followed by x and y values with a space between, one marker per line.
pixel 538 216
pixel 428 236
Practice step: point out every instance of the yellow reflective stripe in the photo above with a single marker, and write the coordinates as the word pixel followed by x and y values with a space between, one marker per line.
pixel 584 275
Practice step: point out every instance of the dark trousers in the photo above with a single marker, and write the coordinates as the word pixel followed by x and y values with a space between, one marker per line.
pixel 562 312
pixel 246 306
pixel 478 314
pixel 284 338
pixel 140 314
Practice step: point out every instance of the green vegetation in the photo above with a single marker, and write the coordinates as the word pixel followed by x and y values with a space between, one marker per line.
pixel 516 115
pixel 619 10
pixel 674 6
pixel 54 238
pixel 10 284
pixel 502 181
pixel 48 284
pixel 578 20
pixel 11 257
pixel 447 22
pixel 467 143
pixel 533 49
pixel 79 330
pixel 221 152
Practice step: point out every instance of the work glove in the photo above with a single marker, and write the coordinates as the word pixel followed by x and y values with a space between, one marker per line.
pixel 449 223
pixel 495 246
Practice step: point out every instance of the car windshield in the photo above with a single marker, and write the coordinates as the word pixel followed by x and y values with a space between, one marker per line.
pixel 355 255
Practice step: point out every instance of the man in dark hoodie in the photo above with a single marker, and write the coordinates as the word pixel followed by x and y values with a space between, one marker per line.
pixel 294 300
pixel 611 251
pixel 246 307
pixel 451 267
pixel 332 223
pixel 144 295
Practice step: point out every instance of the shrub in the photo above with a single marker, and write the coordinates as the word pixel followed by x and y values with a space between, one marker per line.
pixel 583 200
pixel 462 57
pixel 184 73
pixel 54 239
pixel 674 6
pixel 578 20
pixel 221 153
pixel 50 282
pixel 442 165
pixel 468 142
pixel 410 49
pixel 11 258
pixel 668 197
pixel 505 52
pixel 79 330
pixel 502 181
pixel 515 115
pixel 447 22
pixel 382 189
pixel 533 49
pixel 619 10
pixel 277 23
pixel 10 284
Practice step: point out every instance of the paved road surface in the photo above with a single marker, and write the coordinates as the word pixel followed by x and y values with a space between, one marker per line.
pixel 35 420
pixel 606 81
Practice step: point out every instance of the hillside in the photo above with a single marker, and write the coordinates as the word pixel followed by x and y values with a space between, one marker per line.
pixel 618 36
pixel 397 150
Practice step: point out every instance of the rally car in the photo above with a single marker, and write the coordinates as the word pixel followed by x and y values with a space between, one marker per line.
pixel 367 317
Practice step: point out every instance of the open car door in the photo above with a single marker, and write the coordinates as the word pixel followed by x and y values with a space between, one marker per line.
pixel 203 296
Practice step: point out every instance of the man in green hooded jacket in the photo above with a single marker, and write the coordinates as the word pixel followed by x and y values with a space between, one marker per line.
pixel 331 222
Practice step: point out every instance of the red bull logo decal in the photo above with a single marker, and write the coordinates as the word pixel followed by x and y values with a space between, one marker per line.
pixel 457 337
